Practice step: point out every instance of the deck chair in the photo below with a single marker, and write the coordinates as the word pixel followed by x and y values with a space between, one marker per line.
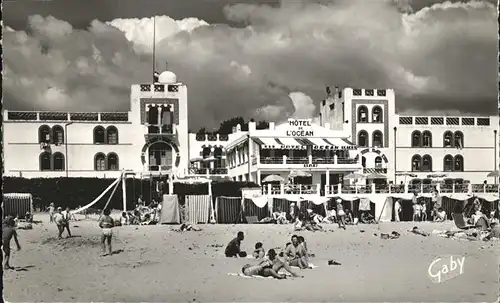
pixel 459 220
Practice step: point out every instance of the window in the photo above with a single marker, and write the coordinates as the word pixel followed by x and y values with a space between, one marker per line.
pixel 483 121
pixel 458 163
pixel 112 161
pixel 437 120
pixel 219 161
pixel 415 163
pixel 57 135
pixel 448 139
pixel 378 162
pixel 426 139
pixel 377 139
pixel 363 139
pixel 459 139
pixel 405 120
pixel 153 115
pixel 58 161
pixel 363 162
pixel 362 114
pixel 153 130
pixel 381 92
pixel 377 114
pixel 421 120
pixel 112 135
pixel 356 92
pixel 369 92
pixel 44 134
pixel 100 162
pixel 99 137
pixel 427 163
pixel 45 161
pixel 416 139
pixel 448 163
pixel 166 115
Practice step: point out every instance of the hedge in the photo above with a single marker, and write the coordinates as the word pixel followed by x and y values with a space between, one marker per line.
pixel 74 192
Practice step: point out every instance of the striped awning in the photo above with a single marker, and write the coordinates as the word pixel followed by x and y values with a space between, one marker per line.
pixel 327 144
pixel 279 143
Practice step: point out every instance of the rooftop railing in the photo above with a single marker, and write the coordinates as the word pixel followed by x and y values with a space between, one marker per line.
pixel 329 190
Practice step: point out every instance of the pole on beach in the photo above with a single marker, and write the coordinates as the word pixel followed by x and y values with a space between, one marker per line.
pixel 124 191
pixel 110 197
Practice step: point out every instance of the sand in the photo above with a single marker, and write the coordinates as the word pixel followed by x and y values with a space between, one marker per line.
pixel 160 264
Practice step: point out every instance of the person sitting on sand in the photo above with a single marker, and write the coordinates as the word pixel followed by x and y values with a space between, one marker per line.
pixel 8 232
pixel 124 220
pixel 233 247
pixel 331 216
pixel 259 251
pixel 28 217
pixel 280 216
pixel 295 254
pixel 106 223
pixel 340 214
pixel 440 215
pixel 303 243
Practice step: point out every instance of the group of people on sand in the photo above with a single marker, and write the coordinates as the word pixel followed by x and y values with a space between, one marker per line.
pixel 294 253
pixel 311 220
pixel 142 214
pixel 61 219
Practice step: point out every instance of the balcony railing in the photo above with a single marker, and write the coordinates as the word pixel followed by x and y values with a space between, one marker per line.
pixel 316 189
pixel 307 160
pixel 208 171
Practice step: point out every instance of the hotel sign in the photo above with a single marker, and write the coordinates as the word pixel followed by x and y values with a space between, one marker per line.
pixel 299 128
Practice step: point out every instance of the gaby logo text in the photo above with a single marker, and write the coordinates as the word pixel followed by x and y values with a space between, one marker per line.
pixel 445 268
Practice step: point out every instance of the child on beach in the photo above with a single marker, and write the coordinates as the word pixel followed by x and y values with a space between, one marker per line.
pixel 8 232
pixel 259 251
pixel 106 223
pixel 423 211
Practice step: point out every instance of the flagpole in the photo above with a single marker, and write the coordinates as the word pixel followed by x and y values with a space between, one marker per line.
pixel 154 47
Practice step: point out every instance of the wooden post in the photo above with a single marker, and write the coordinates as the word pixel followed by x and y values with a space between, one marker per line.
pixel 124 191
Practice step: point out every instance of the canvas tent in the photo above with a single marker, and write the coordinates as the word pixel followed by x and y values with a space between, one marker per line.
pixel 170 210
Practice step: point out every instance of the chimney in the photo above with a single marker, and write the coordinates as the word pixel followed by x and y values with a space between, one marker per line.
pixel 271 125
pixel 252 126
pixel 238 128
pixel 338 92
pixel 234 129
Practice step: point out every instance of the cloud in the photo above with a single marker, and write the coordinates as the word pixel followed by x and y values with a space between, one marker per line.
pixel 440 58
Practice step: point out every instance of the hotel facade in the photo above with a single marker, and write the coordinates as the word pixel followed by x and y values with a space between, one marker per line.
pixel 359 132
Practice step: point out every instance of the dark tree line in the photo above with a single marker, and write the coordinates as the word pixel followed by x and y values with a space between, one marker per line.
pixel 226 127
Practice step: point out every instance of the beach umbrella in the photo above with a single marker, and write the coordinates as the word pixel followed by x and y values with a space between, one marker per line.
pixel 298 173
pixel 196 159
pixel 354 176
pixel 273 178
pixel 375 176
pixel 495 174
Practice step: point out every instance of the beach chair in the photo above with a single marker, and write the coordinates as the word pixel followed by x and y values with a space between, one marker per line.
pixel 459 220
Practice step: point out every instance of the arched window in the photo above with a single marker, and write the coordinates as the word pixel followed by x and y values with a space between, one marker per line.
pixel 45 161
pixel 57 134
pixel 377 139
pixel 459 139
pixel 58 161
pixel 416 163
pixel 363 139
pixel 218 153
pixel 44 134
pixel 99 137
pixel 153 115
pixel 100 162
pixel 426 163
pixel 112 135
pixel 448 139
pixel 416 139
pixel 448 163
pixel 166 115
pixel 363 162
pixel 426 139
pixel 458 163
pixel 112 161
pixel 377 114
pixel 378 162
pixel 362 114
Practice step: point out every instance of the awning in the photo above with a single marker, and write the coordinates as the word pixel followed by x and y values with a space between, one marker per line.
pixel 330 143
pixel 279 143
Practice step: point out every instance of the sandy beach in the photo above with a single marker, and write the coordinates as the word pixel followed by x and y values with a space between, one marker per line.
pixel 156 263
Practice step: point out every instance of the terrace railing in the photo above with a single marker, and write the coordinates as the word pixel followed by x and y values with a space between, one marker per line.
pixel 307 160
pixel 316 189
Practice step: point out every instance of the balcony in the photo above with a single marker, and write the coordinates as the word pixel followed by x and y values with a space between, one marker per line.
pixel 158 130
pixel 330 190
pixel 208 171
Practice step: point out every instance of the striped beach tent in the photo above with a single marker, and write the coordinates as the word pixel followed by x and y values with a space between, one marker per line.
pixel 17 204
pixel 228 210
pixel 198 208
pixel 251 209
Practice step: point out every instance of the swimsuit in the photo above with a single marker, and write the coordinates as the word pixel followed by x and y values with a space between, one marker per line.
pixel 107 232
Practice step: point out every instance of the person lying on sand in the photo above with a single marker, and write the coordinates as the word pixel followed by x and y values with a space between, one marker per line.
pixel 259 251
pixel 8 232
pixel 418 231
pixel 269 267
pixel 188 227
pixel 295 254
pixel 233 247
pixel 106 223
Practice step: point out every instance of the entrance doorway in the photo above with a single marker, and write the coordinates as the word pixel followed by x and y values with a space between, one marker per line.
pixel 160 156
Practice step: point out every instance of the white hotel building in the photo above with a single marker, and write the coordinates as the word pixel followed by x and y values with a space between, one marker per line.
pixel 359 132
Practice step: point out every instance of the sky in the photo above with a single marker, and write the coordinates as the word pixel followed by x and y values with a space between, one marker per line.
pixel 257 59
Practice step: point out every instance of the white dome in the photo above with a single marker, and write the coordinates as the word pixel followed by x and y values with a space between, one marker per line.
pixel 167 77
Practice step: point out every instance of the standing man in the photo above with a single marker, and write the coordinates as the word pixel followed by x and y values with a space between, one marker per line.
pixel 59 220
pixel 8 232
pixel 106 223
pixel 397 210
pixel 437 203
pixel 66 218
